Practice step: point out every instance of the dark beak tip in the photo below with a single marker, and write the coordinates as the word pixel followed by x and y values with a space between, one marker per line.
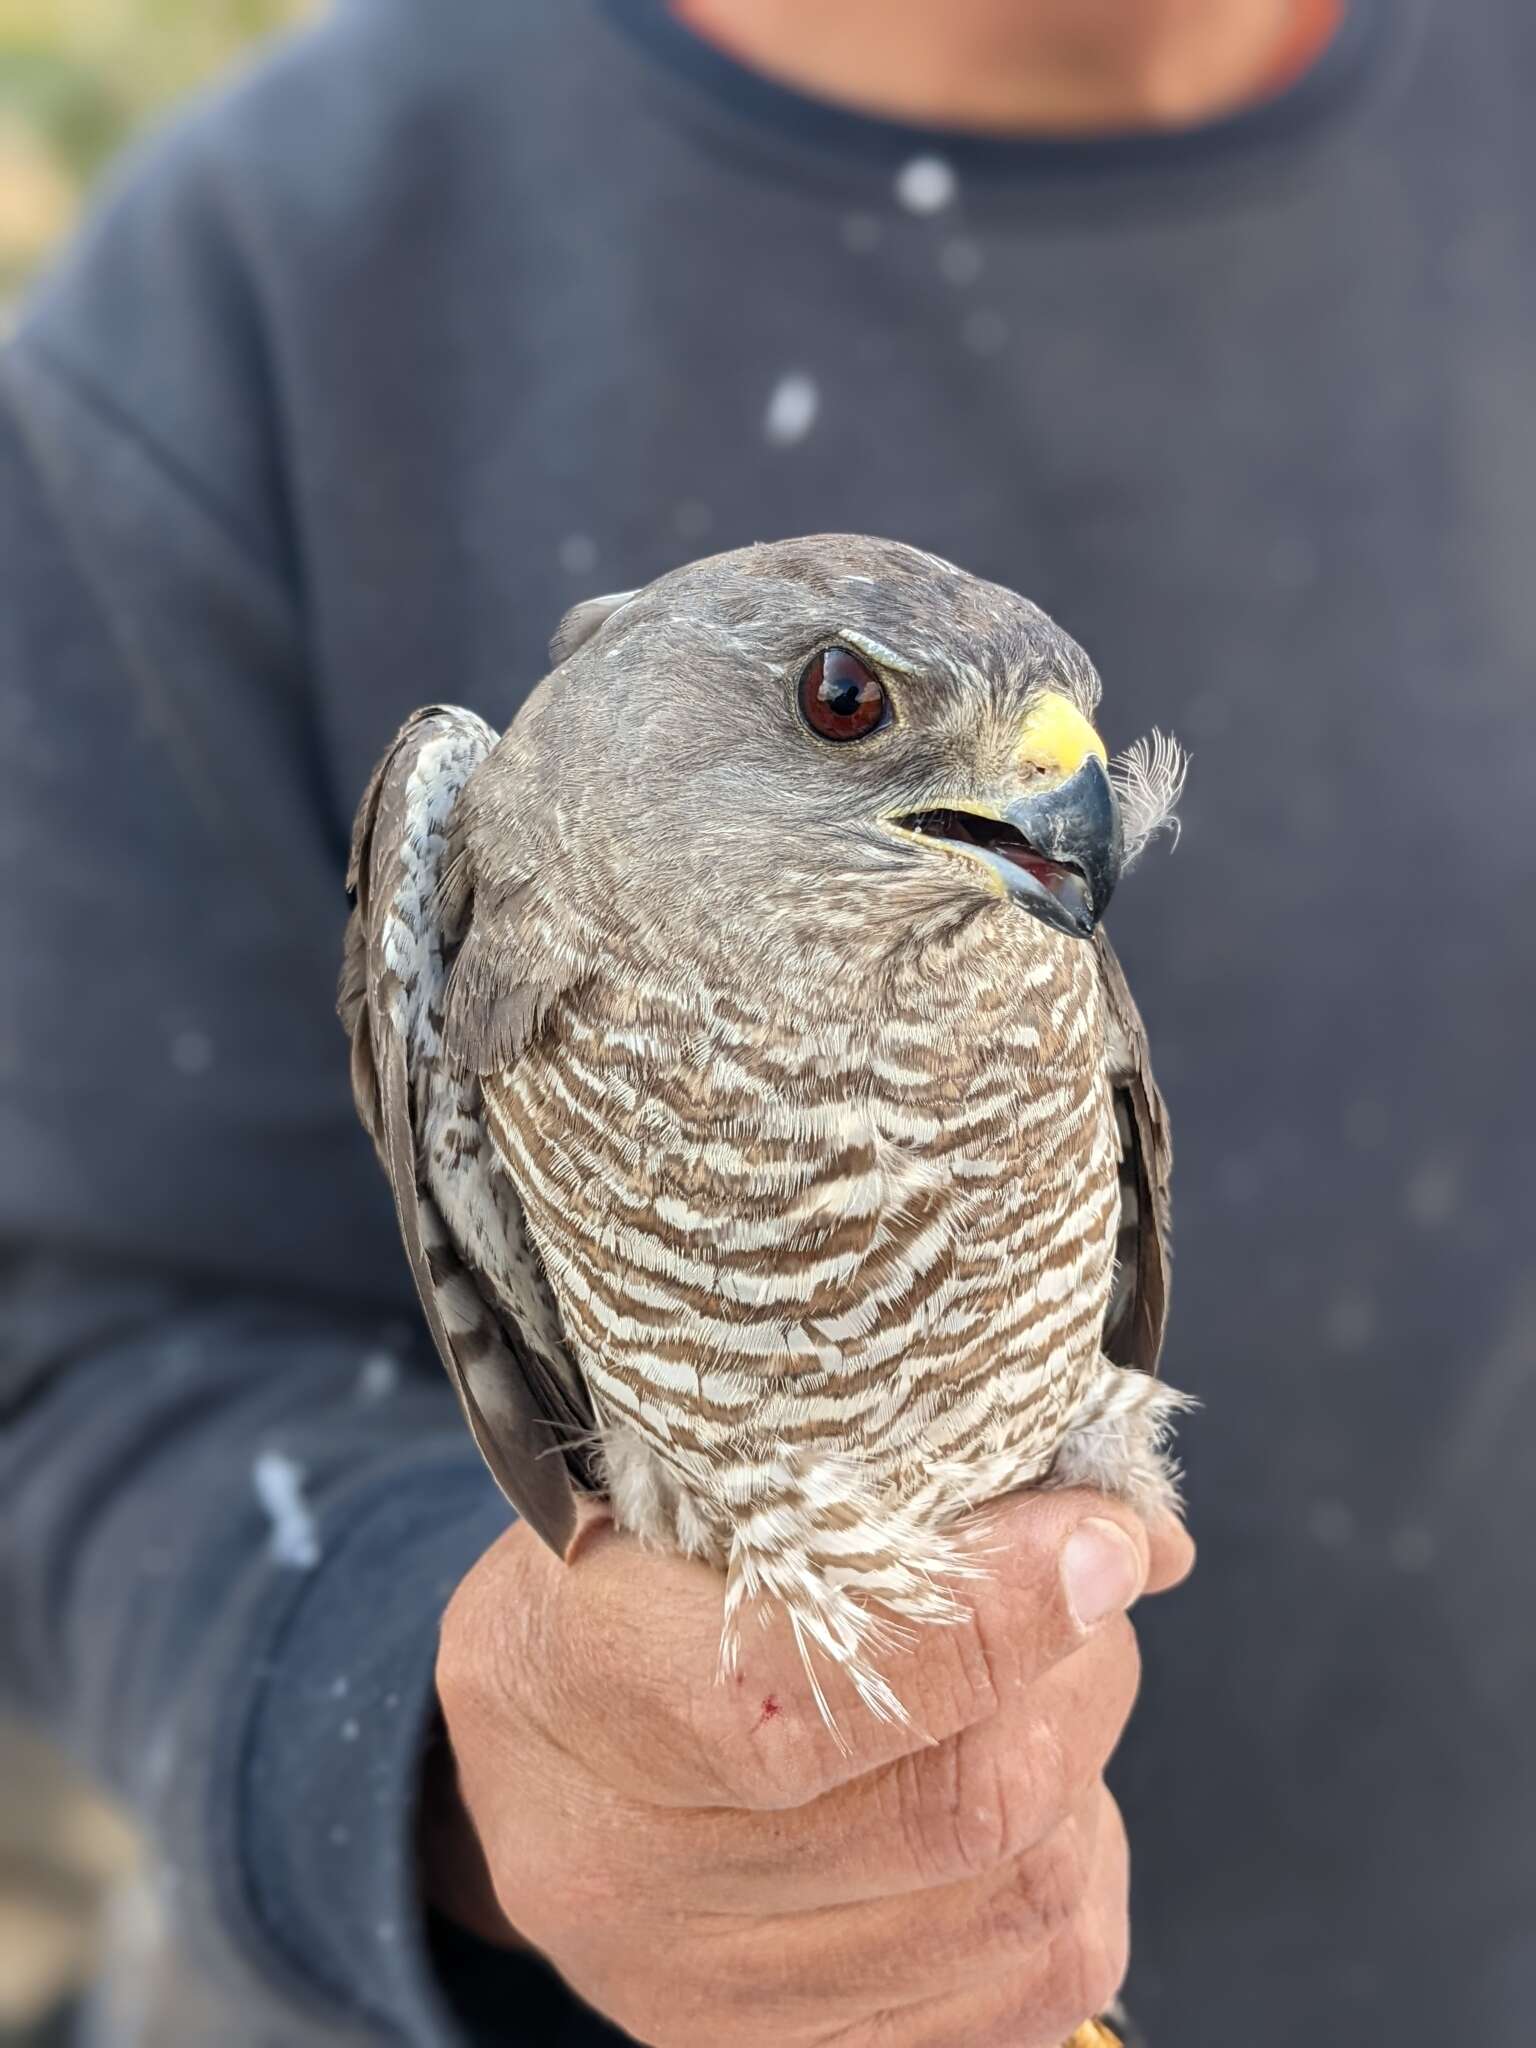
pixel 1078 825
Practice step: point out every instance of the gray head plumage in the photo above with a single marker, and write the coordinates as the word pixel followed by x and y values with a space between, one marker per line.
pixel 664 781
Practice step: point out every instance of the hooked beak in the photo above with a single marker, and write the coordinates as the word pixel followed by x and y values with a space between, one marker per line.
pixel 1055 845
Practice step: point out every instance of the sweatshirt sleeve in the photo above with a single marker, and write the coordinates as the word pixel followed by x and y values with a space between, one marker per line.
pixel 235 1489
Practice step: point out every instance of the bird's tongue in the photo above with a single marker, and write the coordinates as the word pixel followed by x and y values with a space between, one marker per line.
pixel 1064 883
pixel 1036 864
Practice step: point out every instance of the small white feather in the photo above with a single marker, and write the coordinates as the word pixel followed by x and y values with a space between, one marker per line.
pixel 1149 780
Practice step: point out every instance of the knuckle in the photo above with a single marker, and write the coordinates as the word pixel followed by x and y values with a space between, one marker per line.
pixel 959 1679
pixel 1044 1892
pixel 950 1830
pixel 986 1804
pixel 975 1836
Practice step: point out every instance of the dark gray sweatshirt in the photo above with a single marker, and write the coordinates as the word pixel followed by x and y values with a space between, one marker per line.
pixel 458 310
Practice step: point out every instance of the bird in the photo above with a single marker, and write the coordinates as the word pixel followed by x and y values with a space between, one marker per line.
pixel 771 1129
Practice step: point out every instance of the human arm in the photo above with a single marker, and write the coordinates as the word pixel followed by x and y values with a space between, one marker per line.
pixel 200 1267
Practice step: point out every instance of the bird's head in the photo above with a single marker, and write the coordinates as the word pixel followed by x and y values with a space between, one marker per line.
pixel 830 733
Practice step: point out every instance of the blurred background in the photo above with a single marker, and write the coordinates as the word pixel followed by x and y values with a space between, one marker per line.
pixel 78 78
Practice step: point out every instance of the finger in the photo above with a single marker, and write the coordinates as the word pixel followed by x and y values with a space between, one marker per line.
pixel 800 1977
pixel 887 1952
pixel 958 1810
pixel 633 1641
pixel 1039 1996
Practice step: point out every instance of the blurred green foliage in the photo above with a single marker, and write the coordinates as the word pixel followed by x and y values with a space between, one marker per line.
pixel 78 77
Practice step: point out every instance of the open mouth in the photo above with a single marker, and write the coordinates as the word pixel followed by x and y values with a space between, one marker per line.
pixel 1005 848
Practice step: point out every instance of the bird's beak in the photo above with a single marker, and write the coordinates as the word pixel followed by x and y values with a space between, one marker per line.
pixel 1052 839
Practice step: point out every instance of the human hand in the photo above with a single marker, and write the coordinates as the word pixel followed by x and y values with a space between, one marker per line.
pixel 706 1862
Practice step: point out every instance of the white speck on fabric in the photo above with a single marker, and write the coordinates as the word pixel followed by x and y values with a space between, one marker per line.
pixel 792 409
pixel 926 184
pixel 378 1376
pixel 861 233
pixel 279 1484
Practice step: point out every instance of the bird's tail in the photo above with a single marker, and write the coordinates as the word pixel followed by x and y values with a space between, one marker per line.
pixel 851 1573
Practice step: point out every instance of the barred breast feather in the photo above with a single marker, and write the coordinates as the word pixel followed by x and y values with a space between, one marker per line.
pixel 825 1288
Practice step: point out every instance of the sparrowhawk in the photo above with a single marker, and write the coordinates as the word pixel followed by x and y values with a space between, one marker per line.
pixel 770 1125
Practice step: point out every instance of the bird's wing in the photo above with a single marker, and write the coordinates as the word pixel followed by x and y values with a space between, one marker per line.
pixel 481 1286
pixel 1138 1309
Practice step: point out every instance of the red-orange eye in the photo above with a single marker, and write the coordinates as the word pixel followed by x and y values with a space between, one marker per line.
pixel 841 697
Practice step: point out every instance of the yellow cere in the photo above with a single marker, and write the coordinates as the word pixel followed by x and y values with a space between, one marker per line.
pixel 1056 738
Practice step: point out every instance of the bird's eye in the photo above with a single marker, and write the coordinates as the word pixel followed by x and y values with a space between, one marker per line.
pixel 841 697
